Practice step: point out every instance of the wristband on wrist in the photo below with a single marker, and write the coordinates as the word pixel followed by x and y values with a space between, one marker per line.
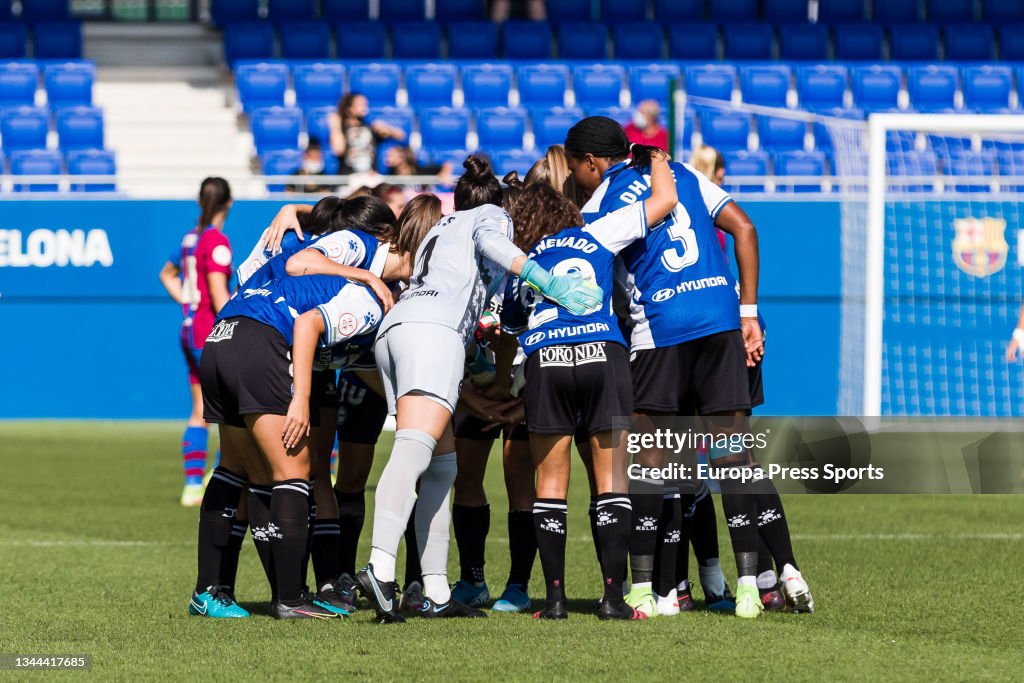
pixel 1018 336
pixel 748 310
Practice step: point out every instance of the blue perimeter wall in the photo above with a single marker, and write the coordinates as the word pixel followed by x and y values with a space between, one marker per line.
pixel 101 342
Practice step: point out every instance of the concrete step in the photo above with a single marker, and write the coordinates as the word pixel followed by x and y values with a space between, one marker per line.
pixel 152 45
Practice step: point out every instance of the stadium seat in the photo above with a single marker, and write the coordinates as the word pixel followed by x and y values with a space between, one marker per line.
pixel 950 11
pixel 24 128
pixel 543 85
pixel 5 14
pixel 896 11
pixel 224 12
pixel 859 42
pixel 653 82
pixel 318 128
pixel 13 40
pixel 35 162
pixel 455 157
pixel 569 10
pixel 803 42
pixel 281 162
pixel 969 43
pixel 932 88
pixel 500 128
pixel 402 10
pixel 430 85
pixel 318 85
pixel 618 12
pixel 92 162
pixel 526 40
pixel 900 140
pixel 785 11
pixel 732 11
pixel 416 40
pixel 57 40
pixel 398 117
pixel 379 82
pixel 517 160
pixel 679 11
pixel 748 41
pixel 744 163
pixel 692 41
pixel 460 10
pixel 777 133
pixel 799 163
pixel 551 125
pixel 18 83
pixel 970 164
pixel 765 85
pixel 486 85
pixel 1011 43
pixel 472 40
pixel 725 130
pixel 361 40
pixel 987 88
pixel 623 115
pixel 579 40
pixel 821 86
pixel 45 10
pixel 305 40
pixel 261 85
pixel 913 163
pixel 914 42
pixel 1011 162
pixel 248 41
pixel 598 85
pixel 713 81
pixel 275 128
pixel 841 11
pixel 876 87
pixel 638 41
pixel 282 11
pixel 444 127
pixel 1003 11
pixel 822 136
pixel 80 128
pixel 340 11
pixel 69 84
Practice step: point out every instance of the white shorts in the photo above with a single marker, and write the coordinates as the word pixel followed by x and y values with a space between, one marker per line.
pixel 421 358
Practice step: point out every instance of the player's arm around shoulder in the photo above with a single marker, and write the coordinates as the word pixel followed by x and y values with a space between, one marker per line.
pixel 493 233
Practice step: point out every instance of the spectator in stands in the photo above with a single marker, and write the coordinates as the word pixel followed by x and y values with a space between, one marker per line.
pixel 312 165
pixel 646 129
pixel 501 10
pixel 392 195
pixel 402 161
pixel 710 162
pixel 354 137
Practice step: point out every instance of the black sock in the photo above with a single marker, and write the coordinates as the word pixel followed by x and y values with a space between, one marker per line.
pixel 471 526
pixel 220 505
pixel 614 515
pixel 413 572
pixel 687 506
pixel 229 559
pixel 289 534
pixel 669 536
pixel 549 524
pixel 592 514
pixel 259 524
pixel 351 513
pixel 645 495
pixel 704 527
pixel 772 525
pixel 522 547
pixel 740 507
pixel 326 550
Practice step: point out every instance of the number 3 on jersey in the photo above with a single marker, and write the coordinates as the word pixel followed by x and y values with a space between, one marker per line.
pixel 679 230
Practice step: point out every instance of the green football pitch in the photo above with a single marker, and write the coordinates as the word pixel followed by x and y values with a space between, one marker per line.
pixel 98 558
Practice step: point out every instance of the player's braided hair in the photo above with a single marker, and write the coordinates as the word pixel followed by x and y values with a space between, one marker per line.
pixel 477 186
pixel 603 138
pixel 539 211
pixel 214 197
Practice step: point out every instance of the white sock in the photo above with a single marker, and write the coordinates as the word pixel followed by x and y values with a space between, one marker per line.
pixel 766 580
pixel 747 581
pixel 711 577
pixel 435 587
pixel 433 518
pixel 395 496
pixel 642 584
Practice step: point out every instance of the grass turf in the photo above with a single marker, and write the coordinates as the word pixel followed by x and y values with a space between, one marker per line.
pixel 97 557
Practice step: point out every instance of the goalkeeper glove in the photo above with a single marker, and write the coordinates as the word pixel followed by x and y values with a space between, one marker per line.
pixel 571 292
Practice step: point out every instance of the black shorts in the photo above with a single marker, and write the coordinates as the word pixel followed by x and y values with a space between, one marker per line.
pixel 575 388
pixel 361 411
pixel 325 388
pixel 756 384
pixel 468 426
pixel 706 375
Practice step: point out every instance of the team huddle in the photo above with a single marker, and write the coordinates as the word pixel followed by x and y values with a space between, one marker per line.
pixel 589 299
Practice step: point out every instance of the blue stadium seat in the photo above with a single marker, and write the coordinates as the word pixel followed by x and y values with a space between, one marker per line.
pixel 913 163
pixel 24 128
pixel 822 136
pixel 914 42
pixel 950 11
pixel 69 84
pixel 569 10
pixel 803 42
pixel 80 128
pixel 618 12
pixel 653 82
pixel 725 130
pixel 932 88
pixel 444 127
pixel 57 40
pixel 305 40
pixel 460 10
pixel 13 40
pixel 896 11
pixel 623 115
pixel 748 41
pixel 1011 162
pixel 679 11
pixel 900 140
pixel 486 85
pixel 692 41
pixel 18 83
pixel 713 81
pixel 730 11
pixel 598 85
pixel 501 128
pixel 744 163
pixel 402 10
pixel 280 162
pixel 765 85
pixel 550 125
pixel 5 11
pixel 340 11
pixel 361 40
pixel 379 82
pixel 45 10
pixel 859 43
pixel 785 11
pixel 543 85
pixel 579 40
pixel 799 163
pixel 35 162
pixel 416 40
pixel 261 85
pixel 841 11
pixel 248 41
pixel 777 133
pixel 318 85
pixel 526 40
pixel 969 43
pixel 224 12
pixel 275 128
pixel 821 86
pixel 281 11
pixel 430 85
pixel 92 162
pixel 517 160
pixel 1011 43
pixel 876 87
pixel 638 41
pixel 970 164
pixel 473 40
pixel 987 88
pixel 1003 11
pixel 318 128
pixel 398 117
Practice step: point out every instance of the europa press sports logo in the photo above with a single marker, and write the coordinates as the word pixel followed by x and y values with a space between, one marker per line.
pixel 980 246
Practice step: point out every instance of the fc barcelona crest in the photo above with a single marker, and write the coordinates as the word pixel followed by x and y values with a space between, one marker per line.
pixel 980 246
